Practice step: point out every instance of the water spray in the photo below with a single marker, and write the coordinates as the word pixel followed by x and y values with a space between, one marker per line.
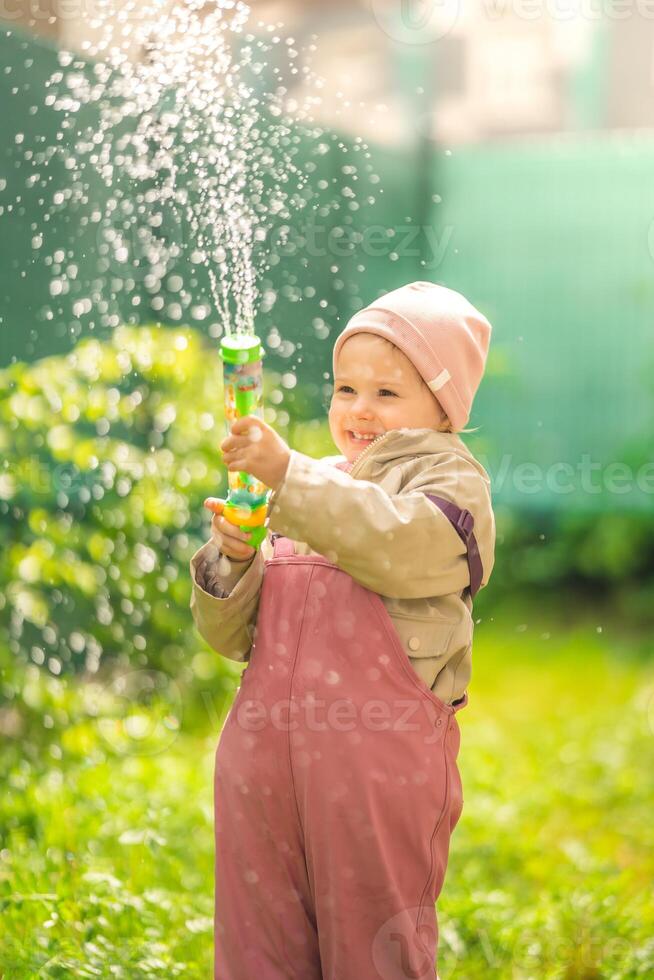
pixel 190 125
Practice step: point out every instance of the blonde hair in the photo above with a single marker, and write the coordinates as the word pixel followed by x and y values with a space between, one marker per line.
pixel 445 425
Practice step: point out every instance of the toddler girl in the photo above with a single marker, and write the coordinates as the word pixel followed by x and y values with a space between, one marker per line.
pixel 336 781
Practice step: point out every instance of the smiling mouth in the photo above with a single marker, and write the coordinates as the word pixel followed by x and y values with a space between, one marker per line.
pixel 362 439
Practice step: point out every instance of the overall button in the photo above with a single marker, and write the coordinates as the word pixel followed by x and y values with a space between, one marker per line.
pixel 414 643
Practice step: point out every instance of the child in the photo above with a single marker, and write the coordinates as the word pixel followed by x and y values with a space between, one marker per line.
pixel 336 779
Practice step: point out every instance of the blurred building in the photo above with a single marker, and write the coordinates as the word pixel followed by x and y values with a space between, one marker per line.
pixel 457 72
pixel 479 71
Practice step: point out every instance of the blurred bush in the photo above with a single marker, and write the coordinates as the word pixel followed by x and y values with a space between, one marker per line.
pixel 108 453
pixel 597 558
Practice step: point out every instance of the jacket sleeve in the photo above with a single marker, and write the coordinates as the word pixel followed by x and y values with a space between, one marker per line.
pixel 217 574
pixel 225 600
pixel 398 545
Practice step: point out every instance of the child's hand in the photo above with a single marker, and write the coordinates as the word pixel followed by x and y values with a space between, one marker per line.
pixel 228 538
pixel 254 447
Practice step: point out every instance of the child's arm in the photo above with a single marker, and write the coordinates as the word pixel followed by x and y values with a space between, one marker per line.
pixel 224 602
pixel 399 545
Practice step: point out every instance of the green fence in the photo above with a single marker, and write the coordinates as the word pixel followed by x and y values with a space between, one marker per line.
pixel 551 238
pixel 554 240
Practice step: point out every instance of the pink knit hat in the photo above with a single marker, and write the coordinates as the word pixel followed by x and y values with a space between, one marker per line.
pixel 441 333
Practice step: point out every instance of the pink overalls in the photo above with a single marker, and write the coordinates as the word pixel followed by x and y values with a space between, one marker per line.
pixel 336 790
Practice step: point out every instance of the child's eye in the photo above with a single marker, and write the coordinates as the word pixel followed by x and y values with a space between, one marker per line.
pixel 382 390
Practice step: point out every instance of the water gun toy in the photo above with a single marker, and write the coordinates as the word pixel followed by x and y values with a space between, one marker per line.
pixel 246 505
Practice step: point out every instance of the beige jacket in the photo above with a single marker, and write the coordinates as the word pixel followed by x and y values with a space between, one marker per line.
pixel 377 524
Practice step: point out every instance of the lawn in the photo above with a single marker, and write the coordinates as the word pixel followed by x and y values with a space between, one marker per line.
pixel 106 854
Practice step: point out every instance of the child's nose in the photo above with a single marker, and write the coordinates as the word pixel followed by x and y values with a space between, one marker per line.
pixel 362 408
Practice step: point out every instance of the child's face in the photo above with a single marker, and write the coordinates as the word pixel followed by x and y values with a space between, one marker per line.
pixel 376 389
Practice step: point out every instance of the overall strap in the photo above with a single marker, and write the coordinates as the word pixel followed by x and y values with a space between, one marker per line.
pixel 463 523
pixel 284 547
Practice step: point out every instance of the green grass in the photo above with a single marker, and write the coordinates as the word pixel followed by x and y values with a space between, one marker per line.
pixel 106 857
pixel 552 864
